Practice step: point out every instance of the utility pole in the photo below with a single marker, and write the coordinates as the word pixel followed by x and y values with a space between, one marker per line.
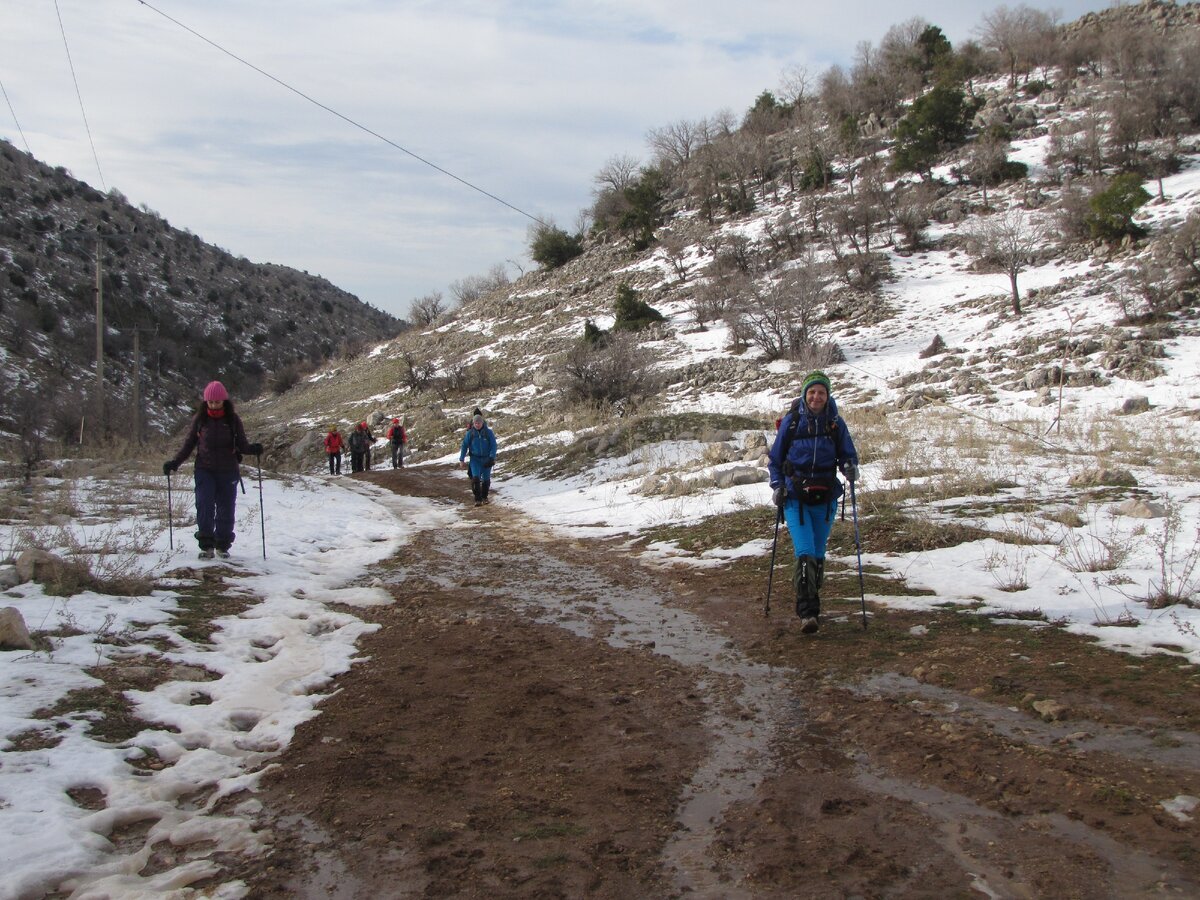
pixel 101 419
pixel 137 386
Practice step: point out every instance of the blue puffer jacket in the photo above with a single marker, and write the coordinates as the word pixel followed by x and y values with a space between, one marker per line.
pixel 480 443
pixel 821 444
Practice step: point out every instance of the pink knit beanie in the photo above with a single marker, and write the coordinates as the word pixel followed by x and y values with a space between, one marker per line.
pixel 215 391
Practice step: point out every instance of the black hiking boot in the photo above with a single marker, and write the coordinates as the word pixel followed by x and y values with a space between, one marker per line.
pixel 806 582
pixel 207 553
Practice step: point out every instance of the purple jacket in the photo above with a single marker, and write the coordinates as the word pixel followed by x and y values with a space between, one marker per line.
pixel 217 442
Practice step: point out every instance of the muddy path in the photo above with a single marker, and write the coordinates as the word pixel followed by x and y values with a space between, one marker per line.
pixel 545 717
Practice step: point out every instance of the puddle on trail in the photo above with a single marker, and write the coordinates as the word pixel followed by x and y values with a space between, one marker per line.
pixel 1167 748
pixel 747 701
pixel 329 878
pixel 966 829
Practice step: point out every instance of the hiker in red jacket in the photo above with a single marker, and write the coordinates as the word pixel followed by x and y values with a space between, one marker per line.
pixel 398 438
pixel 333 449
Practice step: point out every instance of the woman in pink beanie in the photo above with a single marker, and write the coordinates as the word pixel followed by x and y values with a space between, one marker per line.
pixel 219 439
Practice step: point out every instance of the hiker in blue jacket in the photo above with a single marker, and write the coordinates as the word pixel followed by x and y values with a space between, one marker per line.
pixel 480 443
pixel 811 446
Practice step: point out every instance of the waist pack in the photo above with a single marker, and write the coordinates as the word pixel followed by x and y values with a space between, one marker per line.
pixel 814 490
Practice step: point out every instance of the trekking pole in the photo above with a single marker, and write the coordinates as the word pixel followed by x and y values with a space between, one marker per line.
pixel 170 517
pixel 862 590
pixel 771 571
pixel 262 516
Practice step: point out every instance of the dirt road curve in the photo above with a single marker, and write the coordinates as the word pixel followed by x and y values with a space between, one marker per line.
pixel 545 718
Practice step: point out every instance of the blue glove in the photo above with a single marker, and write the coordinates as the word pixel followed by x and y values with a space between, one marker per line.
pixel 491 462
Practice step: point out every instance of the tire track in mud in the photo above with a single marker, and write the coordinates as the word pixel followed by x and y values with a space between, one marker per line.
pixel 558 582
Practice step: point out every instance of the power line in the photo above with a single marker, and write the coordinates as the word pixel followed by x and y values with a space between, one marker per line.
pixel 78 94
pixel 341 116
pixel 14 115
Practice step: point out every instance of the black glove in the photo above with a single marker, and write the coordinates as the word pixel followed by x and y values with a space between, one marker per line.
pixel 850 470
pixel 491 462
pixel 256 449
pixel 170 466
pixel 779 495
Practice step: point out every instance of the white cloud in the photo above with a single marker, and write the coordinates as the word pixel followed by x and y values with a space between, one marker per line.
pixel 526 100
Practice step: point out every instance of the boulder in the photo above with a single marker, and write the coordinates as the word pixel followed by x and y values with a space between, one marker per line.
pixel 45 568
pixel 13 633
pixel 1051 710
pixel 308 445
pixel 1103 478
pixel 739 475
pixel 1134 405
pixel 8 577
pixel 1141 509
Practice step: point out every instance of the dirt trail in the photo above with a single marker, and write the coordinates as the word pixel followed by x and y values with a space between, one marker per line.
pixel 542 717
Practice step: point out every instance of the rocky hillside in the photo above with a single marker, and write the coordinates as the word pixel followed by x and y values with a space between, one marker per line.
pixel 200 311
pixel 1017 227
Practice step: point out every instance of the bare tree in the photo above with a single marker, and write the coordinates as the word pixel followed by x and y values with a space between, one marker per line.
pixel 675 248
pixel 618 173
pixel 1023 37
pixel 986 159
pixel 674 144
pixel 469 289
pixel 783 317
pixel 712 298
pixel 795 86
pixel 419 370
pixel 618 370
pixel 428 309
pixel 1010 240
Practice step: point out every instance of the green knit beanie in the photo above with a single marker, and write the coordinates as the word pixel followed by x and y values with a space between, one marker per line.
pixel 815 378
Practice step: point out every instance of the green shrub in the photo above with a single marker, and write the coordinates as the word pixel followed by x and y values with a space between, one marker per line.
pixel 1112 209
pixel 552 247
pixel 633 314
pixel 936 122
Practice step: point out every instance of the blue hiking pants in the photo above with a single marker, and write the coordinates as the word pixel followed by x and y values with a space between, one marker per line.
pixel 809 527
pixel 216 496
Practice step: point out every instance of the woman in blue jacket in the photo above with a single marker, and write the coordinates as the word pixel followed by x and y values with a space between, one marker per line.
pixel 812 444
pixel 480 443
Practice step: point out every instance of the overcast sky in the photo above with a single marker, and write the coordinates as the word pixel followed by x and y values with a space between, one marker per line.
pixel 525 98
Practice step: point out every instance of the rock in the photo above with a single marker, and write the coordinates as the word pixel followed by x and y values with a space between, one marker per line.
pixel 8 577
pixel 1141 509
pixel 46 568
pixel 1051 710
pixel 309 445
pixel 1134 405
pixel 756 441
pixel 739 475
pixel 1103 478
pixel 715 435
pixel 715 454
pixel 13 633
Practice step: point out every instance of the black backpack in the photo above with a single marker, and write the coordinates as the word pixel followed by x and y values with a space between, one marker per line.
pixel 812 489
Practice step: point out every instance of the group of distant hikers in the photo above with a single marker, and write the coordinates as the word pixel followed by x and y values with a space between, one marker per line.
pixel 361 443
pixel 812 445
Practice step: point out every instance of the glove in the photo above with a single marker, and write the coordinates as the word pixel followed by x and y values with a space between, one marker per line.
pixel 779 495
pixel 491 462
pixel 850 470
pixel 256 449
pixel 170 466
